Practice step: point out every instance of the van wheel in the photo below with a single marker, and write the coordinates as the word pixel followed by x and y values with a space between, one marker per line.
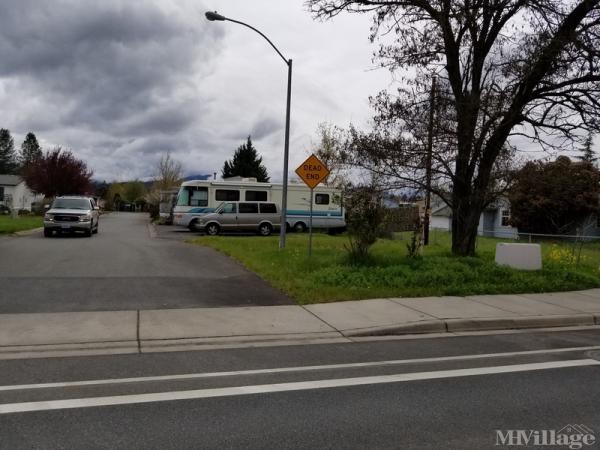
pixel 265 229
pixel 299 227
pixel 212 229
pixel 193 224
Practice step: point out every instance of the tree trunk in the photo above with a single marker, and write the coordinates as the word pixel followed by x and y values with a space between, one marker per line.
pixel 467 206
pixel 465 221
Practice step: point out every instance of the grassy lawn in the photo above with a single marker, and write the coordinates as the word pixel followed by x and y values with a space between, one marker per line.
pixel 327 276
pixel 9 225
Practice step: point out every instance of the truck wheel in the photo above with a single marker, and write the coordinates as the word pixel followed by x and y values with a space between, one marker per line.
pixel 47 232
pixel 265 229
pixel 212 229
pixel 299 227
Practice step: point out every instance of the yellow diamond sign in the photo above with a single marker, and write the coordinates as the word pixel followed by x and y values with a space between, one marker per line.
pixel 312 171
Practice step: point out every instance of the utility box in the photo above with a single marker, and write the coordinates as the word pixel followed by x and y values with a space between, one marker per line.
pixel 519 256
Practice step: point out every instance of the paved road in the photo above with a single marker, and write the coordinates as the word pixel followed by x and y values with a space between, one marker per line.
pixel 121 268
pixel 318 396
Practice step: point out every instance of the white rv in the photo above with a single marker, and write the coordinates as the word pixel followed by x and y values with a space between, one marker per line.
pixel 198 197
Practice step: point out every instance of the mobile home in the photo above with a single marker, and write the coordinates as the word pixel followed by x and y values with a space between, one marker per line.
pixel 199 197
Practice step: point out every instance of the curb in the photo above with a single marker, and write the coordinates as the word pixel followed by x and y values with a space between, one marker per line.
pixel 517 323
pixel 152 230
pixel 477 324
pixel 427 326
pixel 438 328
pixel 28 232
pixel 62 350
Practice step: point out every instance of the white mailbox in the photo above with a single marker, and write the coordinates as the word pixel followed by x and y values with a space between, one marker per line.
pixel 519 256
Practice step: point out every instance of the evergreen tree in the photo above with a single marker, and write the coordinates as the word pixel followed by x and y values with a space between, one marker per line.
pixel 8 157
pixel 587 154
pixel 30 150
pixel 246 163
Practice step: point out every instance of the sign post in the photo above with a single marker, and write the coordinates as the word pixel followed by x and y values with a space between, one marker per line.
pixel 312 172
pixel 310 224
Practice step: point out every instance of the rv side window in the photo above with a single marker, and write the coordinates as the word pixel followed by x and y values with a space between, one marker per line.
pixel 256 196
pixel 268 208
pixel 227 195
pixel 248 208
pixel 199 197
pixel 322 199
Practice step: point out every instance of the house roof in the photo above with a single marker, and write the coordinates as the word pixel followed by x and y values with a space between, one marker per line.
pixel 441 210
pixel 10 180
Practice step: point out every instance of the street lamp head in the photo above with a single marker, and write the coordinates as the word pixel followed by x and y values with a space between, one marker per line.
pixel 212 16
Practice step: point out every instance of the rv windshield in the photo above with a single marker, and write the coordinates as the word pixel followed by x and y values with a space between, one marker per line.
pixel 192 196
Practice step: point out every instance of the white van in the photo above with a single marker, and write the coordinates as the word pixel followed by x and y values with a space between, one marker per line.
pixel 259 217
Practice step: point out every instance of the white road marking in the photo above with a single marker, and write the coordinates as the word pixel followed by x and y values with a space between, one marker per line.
pixel 191 376
pixel 281 387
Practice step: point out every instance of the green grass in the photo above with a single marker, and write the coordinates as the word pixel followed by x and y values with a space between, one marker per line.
pixel 9 225
pixel 327 276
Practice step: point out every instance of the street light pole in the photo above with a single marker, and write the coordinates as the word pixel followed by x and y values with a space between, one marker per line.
pixel 212 16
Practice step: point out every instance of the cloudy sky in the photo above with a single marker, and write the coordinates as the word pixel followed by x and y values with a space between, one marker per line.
pixel 121 82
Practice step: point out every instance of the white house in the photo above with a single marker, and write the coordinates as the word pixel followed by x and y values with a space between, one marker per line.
pixel 494 221
pixel 14 193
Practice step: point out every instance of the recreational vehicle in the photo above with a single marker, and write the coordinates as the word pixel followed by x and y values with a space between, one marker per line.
pixel 198 197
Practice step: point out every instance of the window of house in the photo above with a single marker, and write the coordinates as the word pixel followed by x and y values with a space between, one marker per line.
pixel 256 196
pixel 268 208
pixel 1 193
pixel 248 208
pixel 227 195
pixel 322 199
pixel 506 218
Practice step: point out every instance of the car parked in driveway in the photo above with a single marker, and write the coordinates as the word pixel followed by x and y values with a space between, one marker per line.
pixel 190 218
pixel 258 217
pixel 68 214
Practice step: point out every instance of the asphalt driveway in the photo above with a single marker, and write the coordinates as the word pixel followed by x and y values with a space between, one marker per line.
pixel 122 268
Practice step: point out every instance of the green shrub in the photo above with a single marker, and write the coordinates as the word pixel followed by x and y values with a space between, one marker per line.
pixel 364 218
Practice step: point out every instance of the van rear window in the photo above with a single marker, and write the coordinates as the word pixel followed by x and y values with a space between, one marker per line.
pixel 268 208
pixel 248 208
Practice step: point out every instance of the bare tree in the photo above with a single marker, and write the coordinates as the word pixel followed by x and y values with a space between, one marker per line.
pixel 168 173
pixel 331 150
pixel 505 67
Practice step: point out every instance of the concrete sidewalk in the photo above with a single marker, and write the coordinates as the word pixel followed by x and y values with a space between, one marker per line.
pixel 54 334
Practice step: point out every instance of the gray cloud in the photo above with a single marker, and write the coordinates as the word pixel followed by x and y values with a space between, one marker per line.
pixel 118 71
pixel 266 126
pixel 119 82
